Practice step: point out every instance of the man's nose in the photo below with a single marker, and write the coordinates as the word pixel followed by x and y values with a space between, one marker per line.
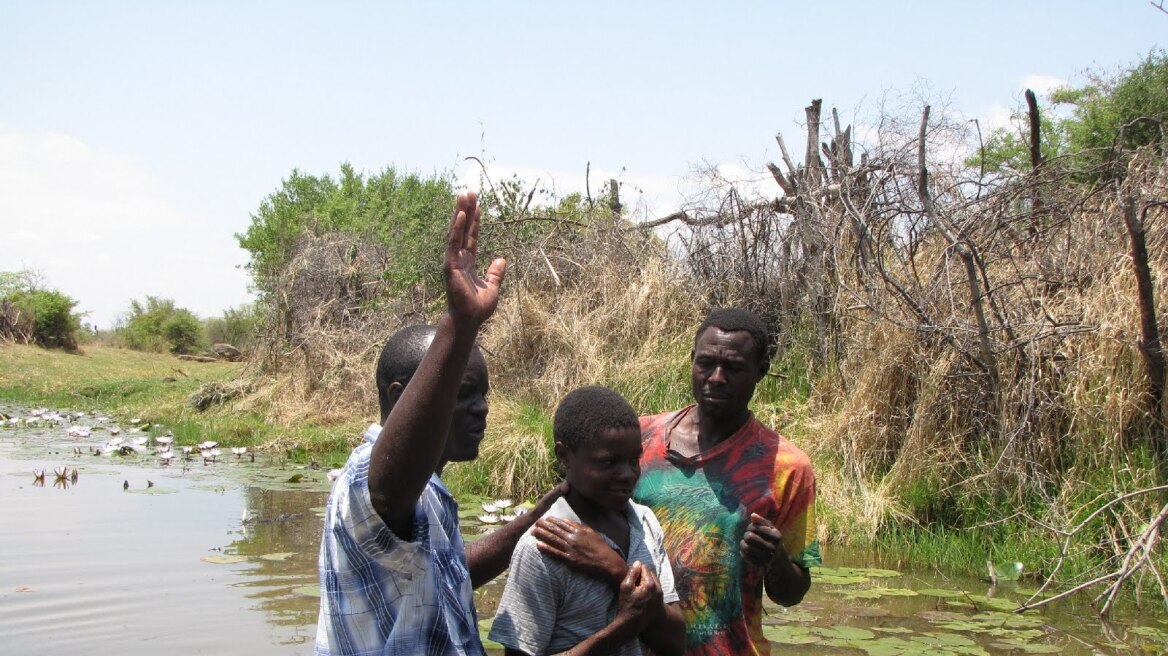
pixel 481 407
pixel 718 375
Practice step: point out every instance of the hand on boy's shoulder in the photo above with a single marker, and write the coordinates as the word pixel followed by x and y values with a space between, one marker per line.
pixel 580 548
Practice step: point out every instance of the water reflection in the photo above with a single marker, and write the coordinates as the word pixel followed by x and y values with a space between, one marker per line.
pixel 280 533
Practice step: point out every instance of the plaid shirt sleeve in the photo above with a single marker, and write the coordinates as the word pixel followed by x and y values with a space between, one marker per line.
pixel 384 595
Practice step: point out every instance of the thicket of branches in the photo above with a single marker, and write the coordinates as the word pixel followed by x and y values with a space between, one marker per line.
pixel 984 342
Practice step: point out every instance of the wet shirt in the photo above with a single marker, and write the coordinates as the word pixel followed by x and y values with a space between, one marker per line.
pixel 547 608
pixel 383 595
pixel 704 504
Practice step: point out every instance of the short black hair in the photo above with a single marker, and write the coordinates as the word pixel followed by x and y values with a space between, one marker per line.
pixel 737 319
pixel 400 358
pixel 587 411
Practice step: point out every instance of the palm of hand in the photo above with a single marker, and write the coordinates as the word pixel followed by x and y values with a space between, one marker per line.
pixel 467 295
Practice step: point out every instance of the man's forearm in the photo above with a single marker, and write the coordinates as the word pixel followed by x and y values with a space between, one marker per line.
pixel 488 556
pixel 666 634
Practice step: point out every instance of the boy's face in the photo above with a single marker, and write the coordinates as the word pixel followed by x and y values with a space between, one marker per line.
pixel 605 469
pixel 468 422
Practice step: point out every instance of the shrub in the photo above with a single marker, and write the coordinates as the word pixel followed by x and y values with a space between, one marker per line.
pixel 159 326
pixel 37 315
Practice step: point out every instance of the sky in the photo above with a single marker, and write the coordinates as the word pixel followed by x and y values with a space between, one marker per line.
pixel 138 138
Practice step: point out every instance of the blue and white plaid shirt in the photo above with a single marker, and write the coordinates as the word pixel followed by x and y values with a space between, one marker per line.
pixel 383 595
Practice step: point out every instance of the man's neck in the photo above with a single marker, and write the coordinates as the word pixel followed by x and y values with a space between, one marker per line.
pixel 712 431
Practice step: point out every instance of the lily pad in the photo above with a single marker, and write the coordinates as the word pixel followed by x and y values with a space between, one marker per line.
pixel 948 594
pixel 283 555
pixel 1028 647
pixel 1149 632
pixel 831 579
pixel 484 633
pixel 222 559
pixel 875 593
pixel 308 590
pixel 844 632
pixel 790 634
pixel 295 478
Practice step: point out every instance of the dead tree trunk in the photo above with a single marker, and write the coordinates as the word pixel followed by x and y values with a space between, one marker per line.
pixel 1151 351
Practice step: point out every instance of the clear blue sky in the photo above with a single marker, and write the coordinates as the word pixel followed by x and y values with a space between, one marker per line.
pixel 137 137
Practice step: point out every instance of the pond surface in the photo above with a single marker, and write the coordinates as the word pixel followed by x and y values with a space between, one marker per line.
pixel 219 557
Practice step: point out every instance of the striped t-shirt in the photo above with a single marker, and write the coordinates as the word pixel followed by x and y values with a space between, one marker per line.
pixel 547 608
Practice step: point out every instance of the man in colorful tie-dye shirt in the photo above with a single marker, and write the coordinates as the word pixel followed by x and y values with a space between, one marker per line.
pixel 735 499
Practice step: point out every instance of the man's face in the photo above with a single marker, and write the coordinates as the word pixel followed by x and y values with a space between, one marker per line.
pixel 605 469
pixel 726 367
pixel 468 423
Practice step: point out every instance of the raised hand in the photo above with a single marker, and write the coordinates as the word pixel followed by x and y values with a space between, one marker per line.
pixel 762 543
pixel 469 298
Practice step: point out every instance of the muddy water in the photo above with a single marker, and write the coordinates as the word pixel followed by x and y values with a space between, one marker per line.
pixel 220 558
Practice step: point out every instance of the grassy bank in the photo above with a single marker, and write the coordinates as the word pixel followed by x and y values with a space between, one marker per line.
pixel 157 388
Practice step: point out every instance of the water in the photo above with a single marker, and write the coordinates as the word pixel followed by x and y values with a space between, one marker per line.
pixel 220 558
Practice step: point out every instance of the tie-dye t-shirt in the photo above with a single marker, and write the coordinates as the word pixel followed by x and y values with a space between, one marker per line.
pixel 704 504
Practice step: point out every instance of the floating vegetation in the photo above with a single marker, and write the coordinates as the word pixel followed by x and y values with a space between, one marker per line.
pixel 308 590
pixel 223 559
pixel 281 556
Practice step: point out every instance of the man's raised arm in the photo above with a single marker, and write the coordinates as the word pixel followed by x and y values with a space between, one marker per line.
pixel 413 437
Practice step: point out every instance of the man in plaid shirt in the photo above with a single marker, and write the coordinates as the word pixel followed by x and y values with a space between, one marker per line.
pixel 396 577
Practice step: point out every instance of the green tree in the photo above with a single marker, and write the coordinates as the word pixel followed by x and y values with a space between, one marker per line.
pixel 398 210
pixel 1124 111
pixel 157 325
pixel 45 315
pixel 238 327
pixel 1110 115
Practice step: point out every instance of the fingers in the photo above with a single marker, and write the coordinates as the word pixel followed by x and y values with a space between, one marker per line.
pixel 464 228
pixel 759 520
pixel 632 578
pixel 495 272
pixel 473 220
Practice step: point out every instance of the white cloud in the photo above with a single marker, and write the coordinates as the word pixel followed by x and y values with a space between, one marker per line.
pixel 996 116
pixel 1041 84
pixel 101 230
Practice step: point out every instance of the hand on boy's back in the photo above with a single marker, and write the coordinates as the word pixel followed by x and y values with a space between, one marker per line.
pixel 762 542
pixel 640 600
pixel 580 548
pixel 468 297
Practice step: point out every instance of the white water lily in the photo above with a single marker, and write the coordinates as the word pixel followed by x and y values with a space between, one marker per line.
pixel 333 474
pixel 116 441
pixel 114 430
pixel 136 420
pixel 78 431
pixel 164 440
pixel 504 503
pixel 490 507
pixel 489 519
pixel 38 474
pixel 239 450
pixel 207 444
pixel 166 456
pixel 61 472
pixel 141 441
pixel 508 518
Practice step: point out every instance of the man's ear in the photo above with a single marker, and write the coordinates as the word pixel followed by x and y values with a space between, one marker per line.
pixel 394 392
